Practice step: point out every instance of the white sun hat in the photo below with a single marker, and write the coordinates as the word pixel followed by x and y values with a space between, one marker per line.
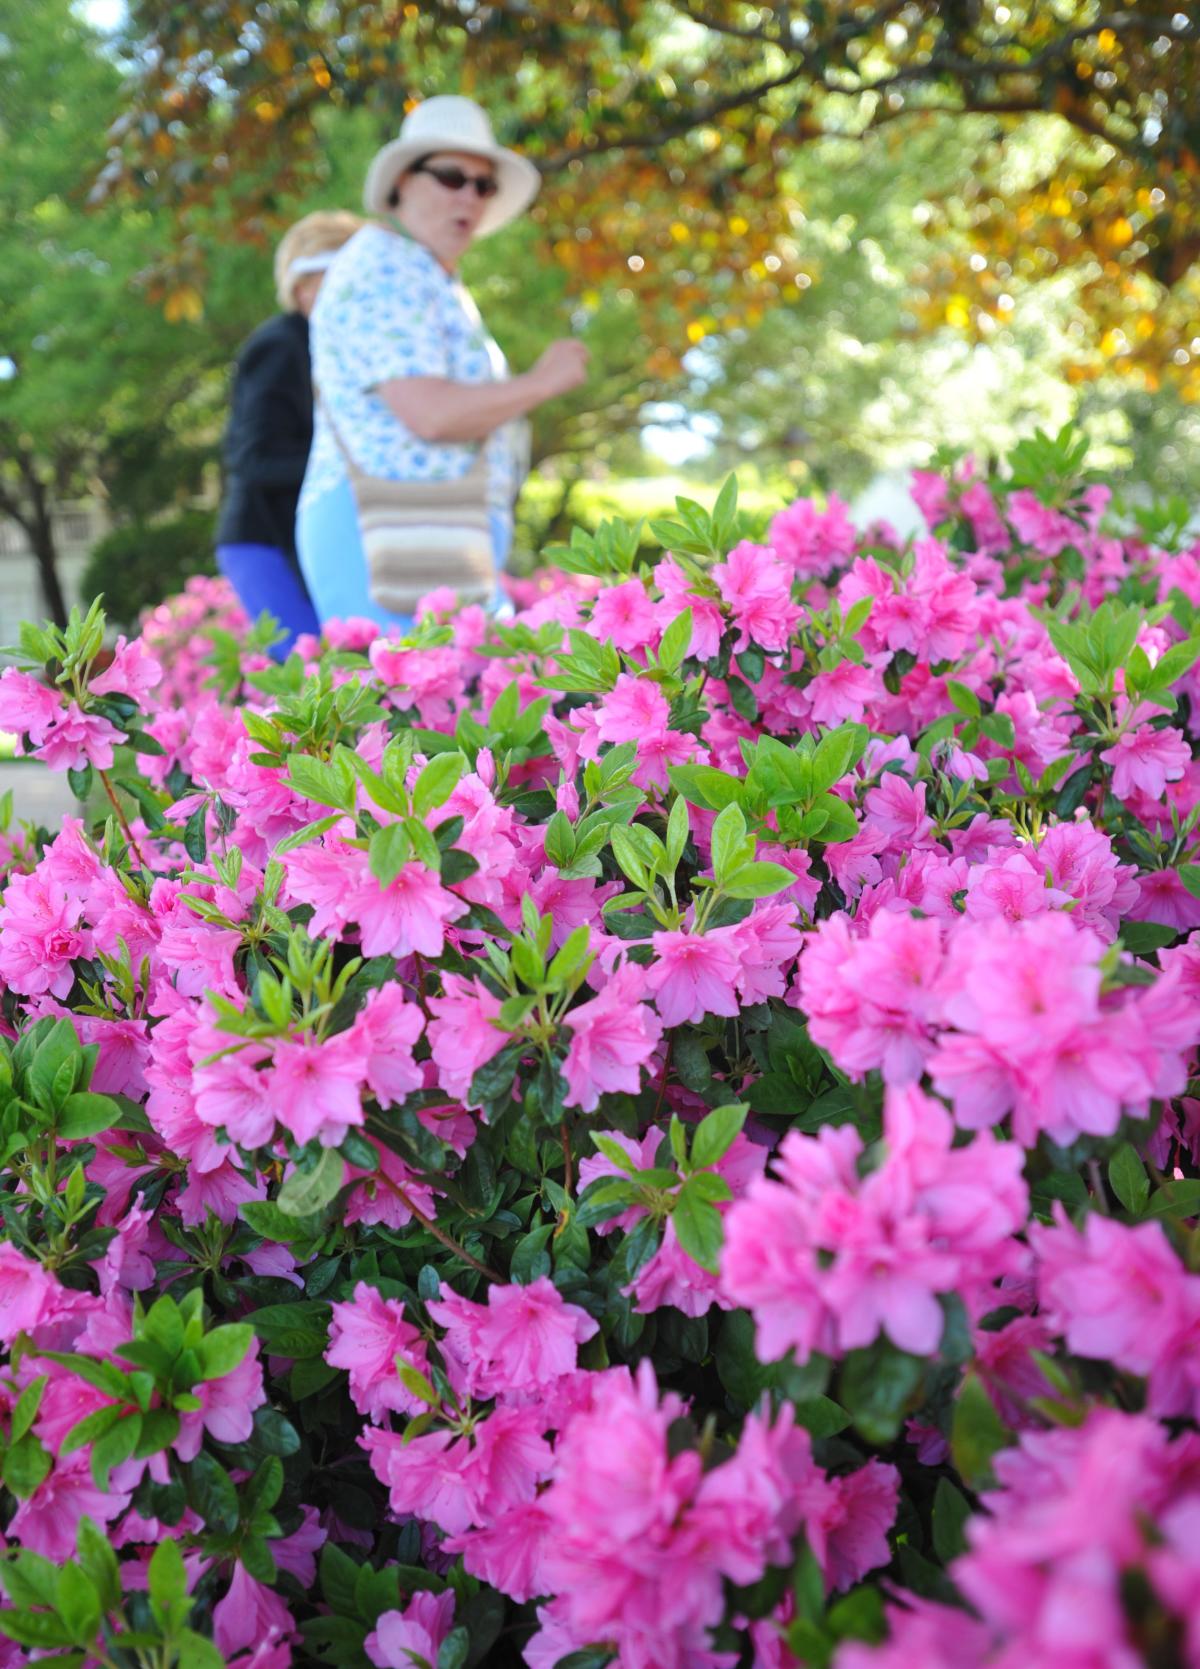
pixel 451 123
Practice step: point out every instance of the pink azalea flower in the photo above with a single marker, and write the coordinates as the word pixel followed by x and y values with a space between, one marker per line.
pixel 316 1088
pixel 507 1553
pixel 695 974
pixel 1161 897
pixel 625 615
pixel 228 1407
pixel 1144 760
pixel 1049 531
pixel 409 914
pixel 29 1293
pixel 813 542
pixel 247 1614
pixel 234 1095
pixel 1118 1292
pixel 414 1635
pixel 844 692
pixel 296 1553
pixel 27 706
pixel 384 1034
pixel 896 807
pixel 872 1000
pixel 48 1521
pixel 632 710
pixel 76 738
pixel 757 591
pixel 133 671
pixel 612 1038
pixel 523 1338
pixel 366 1334
pixel 673 1278
pixel 461 1036
pixel 826 1260
pixel 40 936
pixel 708 622
pixel 1012 888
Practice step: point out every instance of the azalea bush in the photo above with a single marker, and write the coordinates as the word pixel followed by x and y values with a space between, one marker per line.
pixel 659 1131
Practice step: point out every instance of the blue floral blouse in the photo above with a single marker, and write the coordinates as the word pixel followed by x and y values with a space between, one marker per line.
pixel 388 309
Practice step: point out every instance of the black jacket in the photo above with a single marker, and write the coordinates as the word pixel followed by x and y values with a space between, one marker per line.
pixel 270 431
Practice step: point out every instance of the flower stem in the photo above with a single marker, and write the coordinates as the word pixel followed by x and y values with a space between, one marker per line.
pixel 123 820
pixel 447 1240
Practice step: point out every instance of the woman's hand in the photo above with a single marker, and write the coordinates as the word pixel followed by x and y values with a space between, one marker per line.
pixel 562 367
pixel 439 410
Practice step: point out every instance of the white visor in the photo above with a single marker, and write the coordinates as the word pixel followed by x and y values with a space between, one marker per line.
pixel 311 263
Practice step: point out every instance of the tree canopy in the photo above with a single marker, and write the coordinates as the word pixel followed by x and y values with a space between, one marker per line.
pixel 667 131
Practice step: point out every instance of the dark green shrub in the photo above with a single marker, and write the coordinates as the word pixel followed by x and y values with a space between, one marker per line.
pixel 139 564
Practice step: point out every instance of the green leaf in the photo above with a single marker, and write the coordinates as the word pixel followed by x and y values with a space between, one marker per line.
pixel 58 1048
pixel 389 851
pixel 115 1446
pixel 452 1654
pixel 574 955
pixel 698 1227
pixel 306 1192
pixel 729 842
pixel 85 1114
pixel 338 1573
pixel 195 833
pixel 25 1409
pixel 837 751
pixel 613 1151
pixel 221 1350
pixel 437 782
pixel 821 1416
pixel 716 1133
pixel 100 1562
pixel 951 1510
pixel 758 880
pixel 196 1652
pixel 877 1386
pixel 266 1219
pixel 212 1493
pixel 167 1587
pixel 315 780
pixel 1179 1198
pixel 676 641
pixel 1143 938
pixel 977 1434
pixel 310 831
pixel 963 698
pixel 1189 874
pixel 25 1465
pixel 1128 1180
pixel 705 786
pixel 998 728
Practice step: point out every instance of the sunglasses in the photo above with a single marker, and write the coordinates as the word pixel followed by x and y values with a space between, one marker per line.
pixel 486 185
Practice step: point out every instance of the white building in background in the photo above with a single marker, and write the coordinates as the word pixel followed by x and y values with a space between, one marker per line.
pixel 888 499
pixel 77 527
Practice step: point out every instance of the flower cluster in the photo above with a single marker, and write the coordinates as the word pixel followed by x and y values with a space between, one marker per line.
pixel 659 1130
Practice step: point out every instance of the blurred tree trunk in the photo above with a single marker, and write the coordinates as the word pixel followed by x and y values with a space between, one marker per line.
pixel 31 511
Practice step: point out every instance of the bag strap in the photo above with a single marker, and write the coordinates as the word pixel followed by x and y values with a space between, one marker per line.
pixel 477 470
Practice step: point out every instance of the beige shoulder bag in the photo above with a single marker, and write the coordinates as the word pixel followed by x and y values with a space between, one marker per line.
pixel 419 535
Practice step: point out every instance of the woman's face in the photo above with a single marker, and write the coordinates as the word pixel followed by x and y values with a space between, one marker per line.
pixel 441 217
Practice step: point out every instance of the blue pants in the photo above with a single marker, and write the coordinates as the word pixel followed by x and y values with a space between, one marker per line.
pixel 264 579
pixel 335 568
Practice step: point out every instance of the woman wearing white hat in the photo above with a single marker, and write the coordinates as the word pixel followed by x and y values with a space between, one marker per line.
pixel 419 447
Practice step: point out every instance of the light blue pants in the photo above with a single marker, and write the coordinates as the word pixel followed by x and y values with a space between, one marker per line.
pixel 335 568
